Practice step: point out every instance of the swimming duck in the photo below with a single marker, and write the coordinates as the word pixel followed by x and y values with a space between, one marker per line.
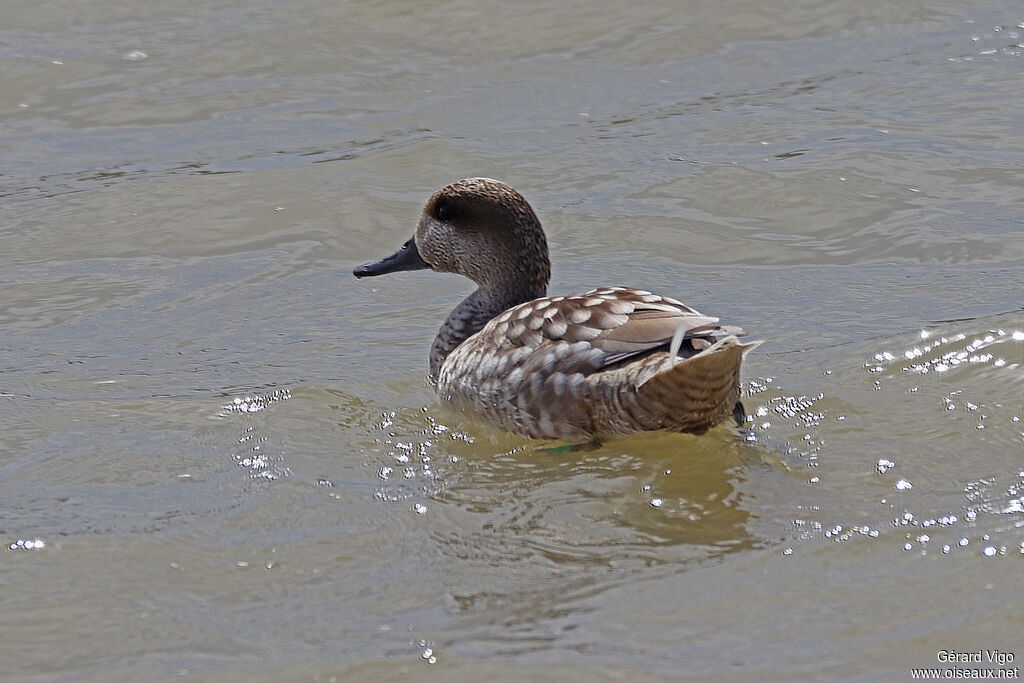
pixel 610 361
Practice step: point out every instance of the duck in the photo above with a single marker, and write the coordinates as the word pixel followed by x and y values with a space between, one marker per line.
pixel 610 361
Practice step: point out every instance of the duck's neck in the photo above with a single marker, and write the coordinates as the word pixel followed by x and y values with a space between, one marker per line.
pixel 470 316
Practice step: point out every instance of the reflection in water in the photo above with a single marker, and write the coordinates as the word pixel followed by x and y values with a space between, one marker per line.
pixel 633 495
pixel 522 535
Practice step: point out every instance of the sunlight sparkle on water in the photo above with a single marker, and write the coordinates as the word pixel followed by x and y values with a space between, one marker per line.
pixel 257 402
pixel 1015 506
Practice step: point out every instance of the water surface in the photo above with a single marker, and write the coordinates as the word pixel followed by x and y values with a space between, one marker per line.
pixel 221 459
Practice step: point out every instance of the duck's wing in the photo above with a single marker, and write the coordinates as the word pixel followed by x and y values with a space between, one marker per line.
pixel 605 327
pixel 648 329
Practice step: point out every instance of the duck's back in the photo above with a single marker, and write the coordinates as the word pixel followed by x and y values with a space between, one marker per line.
pixel 597 363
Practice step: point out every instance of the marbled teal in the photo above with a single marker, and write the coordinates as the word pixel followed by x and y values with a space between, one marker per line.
pixel 611 361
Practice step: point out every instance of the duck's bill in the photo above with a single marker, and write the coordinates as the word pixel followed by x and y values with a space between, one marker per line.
pixel 406 258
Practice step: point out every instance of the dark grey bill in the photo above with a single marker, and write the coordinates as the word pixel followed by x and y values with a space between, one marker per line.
pixel 406 258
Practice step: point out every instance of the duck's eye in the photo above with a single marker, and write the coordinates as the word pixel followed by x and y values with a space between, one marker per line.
pixel 445 212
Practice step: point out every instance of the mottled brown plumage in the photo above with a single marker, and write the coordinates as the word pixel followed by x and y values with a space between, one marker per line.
pixel 611 361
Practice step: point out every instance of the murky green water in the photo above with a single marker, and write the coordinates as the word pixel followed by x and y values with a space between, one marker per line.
pixel 220 458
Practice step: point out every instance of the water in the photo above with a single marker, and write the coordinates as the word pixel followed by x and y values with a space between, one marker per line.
pixel 220 458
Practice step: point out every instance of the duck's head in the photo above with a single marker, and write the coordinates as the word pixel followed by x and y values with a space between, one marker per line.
pixel 480 228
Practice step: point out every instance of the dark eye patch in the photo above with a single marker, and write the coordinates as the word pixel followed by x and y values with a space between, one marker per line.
pixel 445 211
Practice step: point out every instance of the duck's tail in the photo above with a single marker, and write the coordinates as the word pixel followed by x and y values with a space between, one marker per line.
pixel 694 394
